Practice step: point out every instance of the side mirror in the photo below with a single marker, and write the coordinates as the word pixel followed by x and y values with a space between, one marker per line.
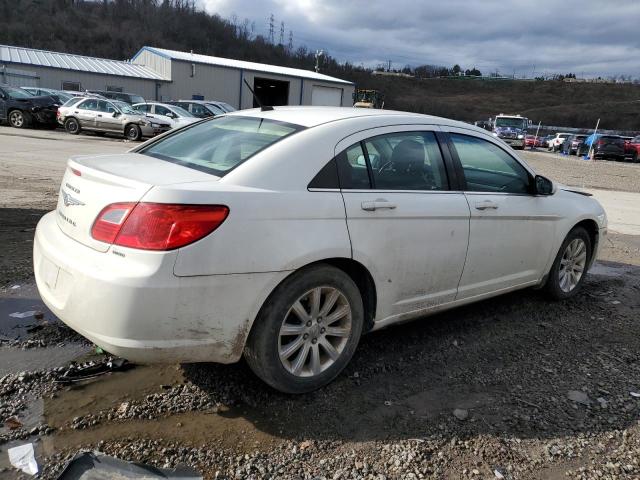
pixel 543 186
pixel 170 115
pixel 116 114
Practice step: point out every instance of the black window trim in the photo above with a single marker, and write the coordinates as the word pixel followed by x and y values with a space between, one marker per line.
pixel 462 181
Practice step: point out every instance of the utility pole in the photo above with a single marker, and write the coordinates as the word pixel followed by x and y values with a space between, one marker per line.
pixel 389 65
pixel 281 33
pixel 319 53
pixel 271 29
pixel 290 46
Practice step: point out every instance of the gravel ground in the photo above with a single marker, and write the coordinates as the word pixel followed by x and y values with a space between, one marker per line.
pixel 515 387
pixel 573 171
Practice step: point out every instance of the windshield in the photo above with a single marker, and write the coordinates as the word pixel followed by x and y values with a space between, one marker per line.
pixel 126 108
pixel 219 145
pixel 510 122
pixel 181 112
pixel 136 99
pixel 72 101
pixel 17 93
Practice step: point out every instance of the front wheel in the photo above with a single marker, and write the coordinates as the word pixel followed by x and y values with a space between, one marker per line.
pixel 570 266
pixel 307 331
pixel 133 133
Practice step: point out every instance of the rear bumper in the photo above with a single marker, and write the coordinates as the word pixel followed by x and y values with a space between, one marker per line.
pixel 135 307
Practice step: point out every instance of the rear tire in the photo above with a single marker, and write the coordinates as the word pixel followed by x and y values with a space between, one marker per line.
pixel 19 119
pixel 634 157
pixel 570 266
pixel 133 133
pixel 72 126
pixel 287 319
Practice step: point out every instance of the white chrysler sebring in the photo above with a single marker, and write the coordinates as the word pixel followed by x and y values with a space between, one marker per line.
pixel 284 235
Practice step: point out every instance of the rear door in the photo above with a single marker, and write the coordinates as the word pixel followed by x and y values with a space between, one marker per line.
pixel 511 230
pixel 87 113
pixel 405 222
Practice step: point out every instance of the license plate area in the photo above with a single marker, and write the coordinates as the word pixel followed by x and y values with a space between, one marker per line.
pixel 49 272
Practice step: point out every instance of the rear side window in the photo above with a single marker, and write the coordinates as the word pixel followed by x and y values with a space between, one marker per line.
pixel 488 168
pixel 221 144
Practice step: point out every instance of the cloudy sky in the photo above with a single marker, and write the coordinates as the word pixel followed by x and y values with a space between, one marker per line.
pixel 586 37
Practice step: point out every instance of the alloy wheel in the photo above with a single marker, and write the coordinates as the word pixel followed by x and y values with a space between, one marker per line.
pixel 572 265
pixel 315 331
pixel 16 119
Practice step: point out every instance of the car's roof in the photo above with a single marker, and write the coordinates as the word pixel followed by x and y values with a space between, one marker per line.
pixel 313 116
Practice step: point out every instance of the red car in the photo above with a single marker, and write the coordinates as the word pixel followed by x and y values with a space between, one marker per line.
pixel 532 141
pixel 632 149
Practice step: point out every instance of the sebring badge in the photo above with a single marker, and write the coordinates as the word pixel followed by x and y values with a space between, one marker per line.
pixel 69 200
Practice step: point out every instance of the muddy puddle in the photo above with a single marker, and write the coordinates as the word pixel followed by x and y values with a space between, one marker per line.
pixel 226 426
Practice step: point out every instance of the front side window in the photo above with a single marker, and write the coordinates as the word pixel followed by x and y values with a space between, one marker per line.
pixel 200 110
pixel 488 168
pixel 406 161
pixel 219 145
pixel 160 110
pixel 107 107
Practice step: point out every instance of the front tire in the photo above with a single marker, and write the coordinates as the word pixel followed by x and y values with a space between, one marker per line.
pixel 570 266
pixel 307 330
pixel 133 133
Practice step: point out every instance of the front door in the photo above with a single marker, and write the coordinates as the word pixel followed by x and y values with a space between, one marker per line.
pixel 105 119
pixel 3 104
pixel 510 228
pixel 406 225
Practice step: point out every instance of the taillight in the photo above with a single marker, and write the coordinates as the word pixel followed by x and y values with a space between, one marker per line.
pixel 600 142
pixel 156 226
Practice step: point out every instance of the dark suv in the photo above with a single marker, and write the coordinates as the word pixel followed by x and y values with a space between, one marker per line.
pixel 604 146
pixel 130 98
pixel 22 109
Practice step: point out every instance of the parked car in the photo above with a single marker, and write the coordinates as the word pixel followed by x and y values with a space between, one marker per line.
pixel 556 142
pixel 571 145
pixel 632 149
pixel 531 141
pixel 283 236
pixel 129 98
pixel 199 108
pixel 604 146
pixel 176 116
pixel 545 140
pixel 222 105
pixel 109 116
pixel 22 109
pixel 58 95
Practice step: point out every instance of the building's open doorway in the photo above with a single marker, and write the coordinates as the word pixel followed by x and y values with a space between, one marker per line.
pixel 271 92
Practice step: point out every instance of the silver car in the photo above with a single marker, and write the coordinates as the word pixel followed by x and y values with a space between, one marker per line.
pixel 109 116
pixel 176 116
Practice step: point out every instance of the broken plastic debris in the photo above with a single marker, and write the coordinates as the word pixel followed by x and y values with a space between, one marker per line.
pixel 634 394
pixel 461 413
pixel 30 313
pixel 23 458
pixel 15 287
pixel 77 373
pixel 99 466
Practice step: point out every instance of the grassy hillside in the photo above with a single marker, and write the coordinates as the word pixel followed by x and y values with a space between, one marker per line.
pixel 552 102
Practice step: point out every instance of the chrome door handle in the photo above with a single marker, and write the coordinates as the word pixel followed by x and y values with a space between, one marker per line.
pixel 378 204
pixel 487 205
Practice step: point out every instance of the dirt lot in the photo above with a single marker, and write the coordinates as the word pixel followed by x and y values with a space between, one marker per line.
pixel 515 387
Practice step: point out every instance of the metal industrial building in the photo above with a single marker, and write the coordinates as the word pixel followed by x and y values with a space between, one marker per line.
pixel 27 67
pixel 159 74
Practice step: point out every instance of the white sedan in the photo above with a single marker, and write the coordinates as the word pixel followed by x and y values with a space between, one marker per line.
pixel 284 235
pixel 176 116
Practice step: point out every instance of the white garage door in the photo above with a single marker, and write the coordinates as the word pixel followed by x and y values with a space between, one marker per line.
pixel 326 96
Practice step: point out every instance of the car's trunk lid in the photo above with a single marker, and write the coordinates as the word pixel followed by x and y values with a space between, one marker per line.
pixel 93 182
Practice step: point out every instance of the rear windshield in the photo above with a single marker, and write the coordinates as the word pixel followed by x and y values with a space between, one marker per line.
pixel 219 145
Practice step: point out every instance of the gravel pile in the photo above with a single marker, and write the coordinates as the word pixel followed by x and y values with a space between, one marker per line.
pixel 604 174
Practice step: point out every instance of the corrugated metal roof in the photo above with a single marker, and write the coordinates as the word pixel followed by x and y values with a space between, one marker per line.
pixel 240 64
pixel 67 61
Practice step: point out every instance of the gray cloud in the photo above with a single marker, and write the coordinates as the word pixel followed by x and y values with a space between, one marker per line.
pixel 587 37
